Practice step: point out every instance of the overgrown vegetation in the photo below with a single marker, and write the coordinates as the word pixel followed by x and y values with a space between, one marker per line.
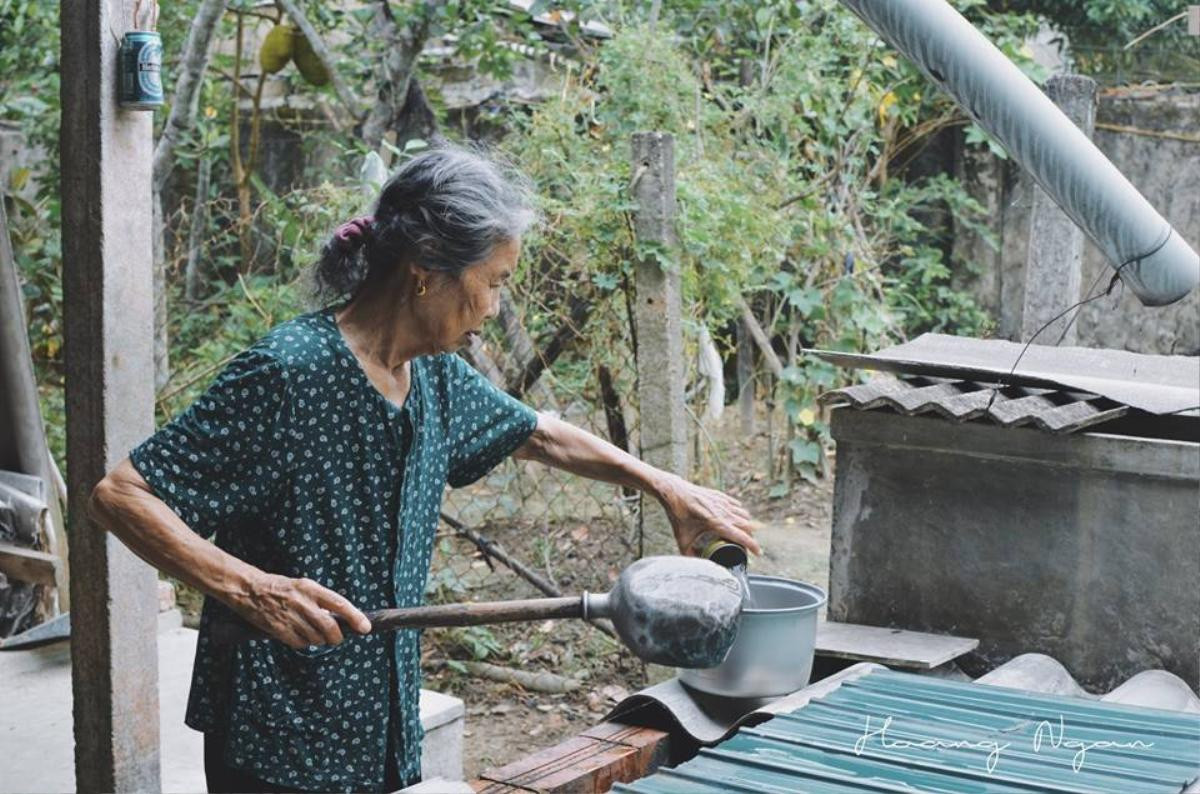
pixel 794 130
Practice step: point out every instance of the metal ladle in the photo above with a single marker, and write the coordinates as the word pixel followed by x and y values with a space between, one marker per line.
pixel 675 611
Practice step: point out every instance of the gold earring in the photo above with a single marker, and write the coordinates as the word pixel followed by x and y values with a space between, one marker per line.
pixel 420 288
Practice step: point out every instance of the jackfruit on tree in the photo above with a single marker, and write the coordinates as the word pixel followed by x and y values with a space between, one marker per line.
pixel 308 63
pixel 278 48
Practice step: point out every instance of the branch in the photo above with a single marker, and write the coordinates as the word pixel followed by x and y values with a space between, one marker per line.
pixel 540 681
pixel 491 550
pixel 187 89
pixel 1156 28
pixel 578 313
pixel 760 338
pixel 344 93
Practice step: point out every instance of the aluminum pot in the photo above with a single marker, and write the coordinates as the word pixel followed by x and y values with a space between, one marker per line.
pixel 773 653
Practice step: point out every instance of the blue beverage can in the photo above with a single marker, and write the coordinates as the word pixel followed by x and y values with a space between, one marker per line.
pixel 139 67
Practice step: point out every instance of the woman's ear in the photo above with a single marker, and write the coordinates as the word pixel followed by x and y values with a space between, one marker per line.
pixel 420 273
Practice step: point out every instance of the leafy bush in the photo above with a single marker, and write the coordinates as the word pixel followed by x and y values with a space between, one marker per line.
pixel 793 128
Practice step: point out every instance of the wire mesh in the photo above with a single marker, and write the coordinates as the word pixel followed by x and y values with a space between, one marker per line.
pixel 573 533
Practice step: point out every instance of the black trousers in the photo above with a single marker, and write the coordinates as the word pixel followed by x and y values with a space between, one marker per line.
pixel 224 779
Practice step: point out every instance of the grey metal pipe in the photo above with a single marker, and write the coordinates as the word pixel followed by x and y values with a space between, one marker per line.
pixel 1153 259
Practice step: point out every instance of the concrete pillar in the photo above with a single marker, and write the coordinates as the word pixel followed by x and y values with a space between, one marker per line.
pixel 1055 259
pixel 108 307
pixel 659 330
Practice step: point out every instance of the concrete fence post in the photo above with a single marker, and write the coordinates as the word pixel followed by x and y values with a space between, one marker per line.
pixel 663 428
pixel 1054 262
pixel 108 304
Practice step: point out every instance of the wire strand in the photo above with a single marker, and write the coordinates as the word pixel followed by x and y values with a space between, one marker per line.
pixel 1006 380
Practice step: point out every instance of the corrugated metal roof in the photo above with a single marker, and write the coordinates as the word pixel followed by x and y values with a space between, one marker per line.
pixel 1057 411
pixel 889 731
pixel 1155 384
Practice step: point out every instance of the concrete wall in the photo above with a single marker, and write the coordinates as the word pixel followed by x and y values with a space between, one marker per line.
pixel 1085 547
pixel 1167 171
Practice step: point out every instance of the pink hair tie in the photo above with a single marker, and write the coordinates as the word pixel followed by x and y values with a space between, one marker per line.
pixel 352 231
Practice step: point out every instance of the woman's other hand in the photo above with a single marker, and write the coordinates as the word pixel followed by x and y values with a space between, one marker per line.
pixel 694 510
pixel 298 612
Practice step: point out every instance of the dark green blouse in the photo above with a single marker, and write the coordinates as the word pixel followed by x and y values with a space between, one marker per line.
pixel 300 466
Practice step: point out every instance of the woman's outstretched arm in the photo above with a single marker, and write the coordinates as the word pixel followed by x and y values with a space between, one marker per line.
pixel 692 509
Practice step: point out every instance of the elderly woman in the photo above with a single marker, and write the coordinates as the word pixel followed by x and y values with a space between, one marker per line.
pixel 318 460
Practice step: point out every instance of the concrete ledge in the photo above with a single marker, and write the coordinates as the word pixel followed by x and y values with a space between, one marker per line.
pixel 1175 460
pixel 443 718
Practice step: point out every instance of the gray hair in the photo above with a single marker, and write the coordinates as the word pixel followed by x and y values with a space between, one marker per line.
pixel 444 209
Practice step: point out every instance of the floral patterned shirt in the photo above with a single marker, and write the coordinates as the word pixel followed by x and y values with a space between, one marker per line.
pixel 297 464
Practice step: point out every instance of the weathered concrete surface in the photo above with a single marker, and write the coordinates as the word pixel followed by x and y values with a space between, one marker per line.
pixel 1053 265
pixel 662 422
pixel 1165 170
pixel 1084 547
pixel 105 156
pixel 35 721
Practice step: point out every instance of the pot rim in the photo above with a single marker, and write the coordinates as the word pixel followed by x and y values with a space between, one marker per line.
pixel 811 589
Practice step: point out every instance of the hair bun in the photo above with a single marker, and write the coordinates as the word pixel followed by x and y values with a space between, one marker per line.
pixel 353 233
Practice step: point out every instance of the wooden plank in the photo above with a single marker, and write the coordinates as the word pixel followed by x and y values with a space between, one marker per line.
pixel 914 650
pixel 27 565
pixel 590 762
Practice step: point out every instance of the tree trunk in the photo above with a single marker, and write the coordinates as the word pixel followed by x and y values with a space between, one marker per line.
pixel 477 356
pixel 162 341
pixel 182 116
pixel 520 348
pixel 400 105
pixel 185 102
pixel 191 273
pixel 760 338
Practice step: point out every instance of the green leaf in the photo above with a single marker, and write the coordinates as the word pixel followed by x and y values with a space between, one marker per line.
pixel 805 451
pixel 605 281
pixel 806 300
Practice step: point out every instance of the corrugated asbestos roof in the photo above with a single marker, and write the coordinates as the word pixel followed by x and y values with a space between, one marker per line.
pixel 946 736
pixel 961 401
pixel 1155 384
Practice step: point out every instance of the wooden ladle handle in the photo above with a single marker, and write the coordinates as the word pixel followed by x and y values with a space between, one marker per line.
pixel 226 631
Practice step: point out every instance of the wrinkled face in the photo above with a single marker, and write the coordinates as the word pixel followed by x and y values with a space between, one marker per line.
pixel 456 307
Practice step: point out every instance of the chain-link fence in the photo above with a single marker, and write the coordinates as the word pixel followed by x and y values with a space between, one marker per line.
pixel 528 529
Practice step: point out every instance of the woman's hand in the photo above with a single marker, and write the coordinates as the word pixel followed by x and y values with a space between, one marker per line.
pixel 298 612
pixel 694 510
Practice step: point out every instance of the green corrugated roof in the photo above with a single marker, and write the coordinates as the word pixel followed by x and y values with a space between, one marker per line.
pixel 946 736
